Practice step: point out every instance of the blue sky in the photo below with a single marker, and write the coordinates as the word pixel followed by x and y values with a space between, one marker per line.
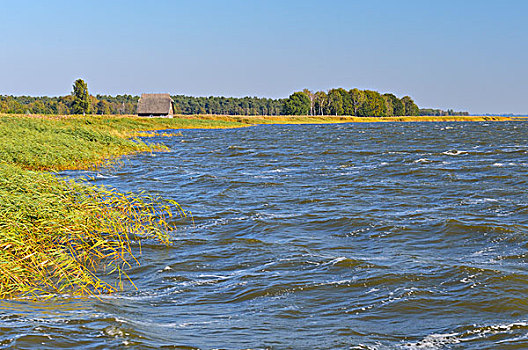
pixel 466 54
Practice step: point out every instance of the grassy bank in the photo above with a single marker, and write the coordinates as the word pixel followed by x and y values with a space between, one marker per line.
pixel 59 143
pixel 58 235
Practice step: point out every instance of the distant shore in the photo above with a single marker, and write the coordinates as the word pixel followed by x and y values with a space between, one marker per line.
pixel 184 121
pixel 303 119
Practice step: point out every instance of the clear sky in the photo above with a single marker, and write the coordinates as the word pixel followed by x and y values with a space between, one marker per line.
pixel 461 54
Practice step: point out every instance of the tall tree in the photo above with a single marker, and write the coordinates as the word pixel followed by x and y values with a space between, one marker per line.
pixel 398 109
pixel 357 97
pixel 374 105
pixel 388 105
pixel 321 100
pixel 102 107
pixel 348 108
pixel 410 107
pixel 311 96
pixel 335 102
pixel 297 104
pixel 81 98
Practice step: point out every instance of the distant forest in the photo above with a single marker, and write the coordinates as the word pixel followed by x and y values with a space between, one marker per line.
pixel 352 102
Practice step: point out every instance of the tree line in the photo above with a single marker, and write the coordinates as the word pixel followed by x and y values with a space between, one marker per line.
pixel 127 104
pixel 439 112
pixel 354 102
pixel 62 105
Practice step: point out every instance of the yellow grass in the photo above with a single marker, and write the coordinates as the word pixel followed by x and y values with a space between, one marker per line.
pixel 339 119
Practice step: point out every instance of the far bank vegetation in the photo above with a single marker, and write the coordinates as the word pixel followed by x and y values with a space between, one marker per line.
pixel 334 102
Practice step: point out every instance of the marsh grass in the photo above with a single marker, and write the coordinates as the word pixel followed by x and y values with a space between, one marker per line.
pixel 67 142
pixel 57 234
pixel 63 236
pixel 300 119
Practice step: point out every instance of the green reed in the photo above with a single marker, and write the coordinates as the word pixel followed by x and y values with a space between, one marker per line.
pixel 56 234
pixel 64 236
pixel 59 143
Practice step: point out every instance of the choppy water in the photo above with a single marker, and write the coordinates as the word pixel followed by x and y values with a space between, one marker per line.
pixel 350 236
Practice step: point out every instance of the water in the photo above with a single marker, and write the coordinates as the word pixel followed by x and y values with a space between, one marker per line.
pixel 350 236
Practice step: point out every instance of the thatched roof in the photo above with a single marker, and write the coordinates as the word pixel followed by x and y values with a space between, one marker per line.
pixel 155 104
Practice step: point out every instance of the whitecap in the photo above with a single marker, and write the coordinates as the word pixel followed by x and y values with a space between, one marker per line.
pixel 280 170
pixel 480 200
pixel 498 328
pixel 101 176
pixel 454 152
pixel 337 260
pixel 114 331
pixel 435 341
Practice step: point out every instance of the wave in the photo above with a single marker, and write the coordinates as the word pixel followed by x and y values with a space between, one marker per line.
pixel 490 336
pixel 454 152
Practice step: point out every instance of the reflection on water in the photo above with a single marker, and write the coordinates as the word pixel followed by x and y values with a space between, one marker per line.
pixel 362 236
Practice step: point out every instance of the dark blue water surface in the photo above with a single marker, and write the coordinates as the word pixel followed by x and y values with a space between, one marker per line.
pixel 348 236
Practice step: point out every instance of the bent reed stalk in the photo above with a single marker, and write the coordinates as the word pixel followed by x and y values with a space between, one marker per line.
pixel 59 235
pixel 56 234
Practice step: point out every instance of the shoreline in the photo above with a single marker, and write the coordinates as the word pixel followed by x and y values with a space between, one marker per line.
pixel 224 121
pixel 255 120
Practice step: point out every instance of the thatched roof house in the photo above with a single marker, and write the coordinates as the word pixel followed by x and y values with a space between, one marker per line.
pixel 155 105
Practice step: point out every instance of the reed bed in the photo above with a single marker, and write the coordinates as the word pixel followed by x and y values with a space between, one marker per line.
pixel 58 236
pixel 64 236
pixel 300 119
pixel 80 142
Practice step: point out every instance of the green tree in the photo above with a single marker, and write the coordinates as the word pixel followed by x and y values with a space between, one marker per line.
pixel 410 107
pixel 374 105
pixel 335 102
pixel 311 96
pixel 81 98
pixel 357 98
pixel 4 108
pixel 15 107
pixel 297 104
pixel 38 107
pixel 388 105
pixel 399 108
pixel 348 108
pixel 321 100
pixel 395 106
pixel 103 107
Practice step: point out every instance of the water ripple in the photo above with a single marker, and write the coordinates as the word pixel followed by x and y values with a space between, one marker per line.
pixel 353 236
